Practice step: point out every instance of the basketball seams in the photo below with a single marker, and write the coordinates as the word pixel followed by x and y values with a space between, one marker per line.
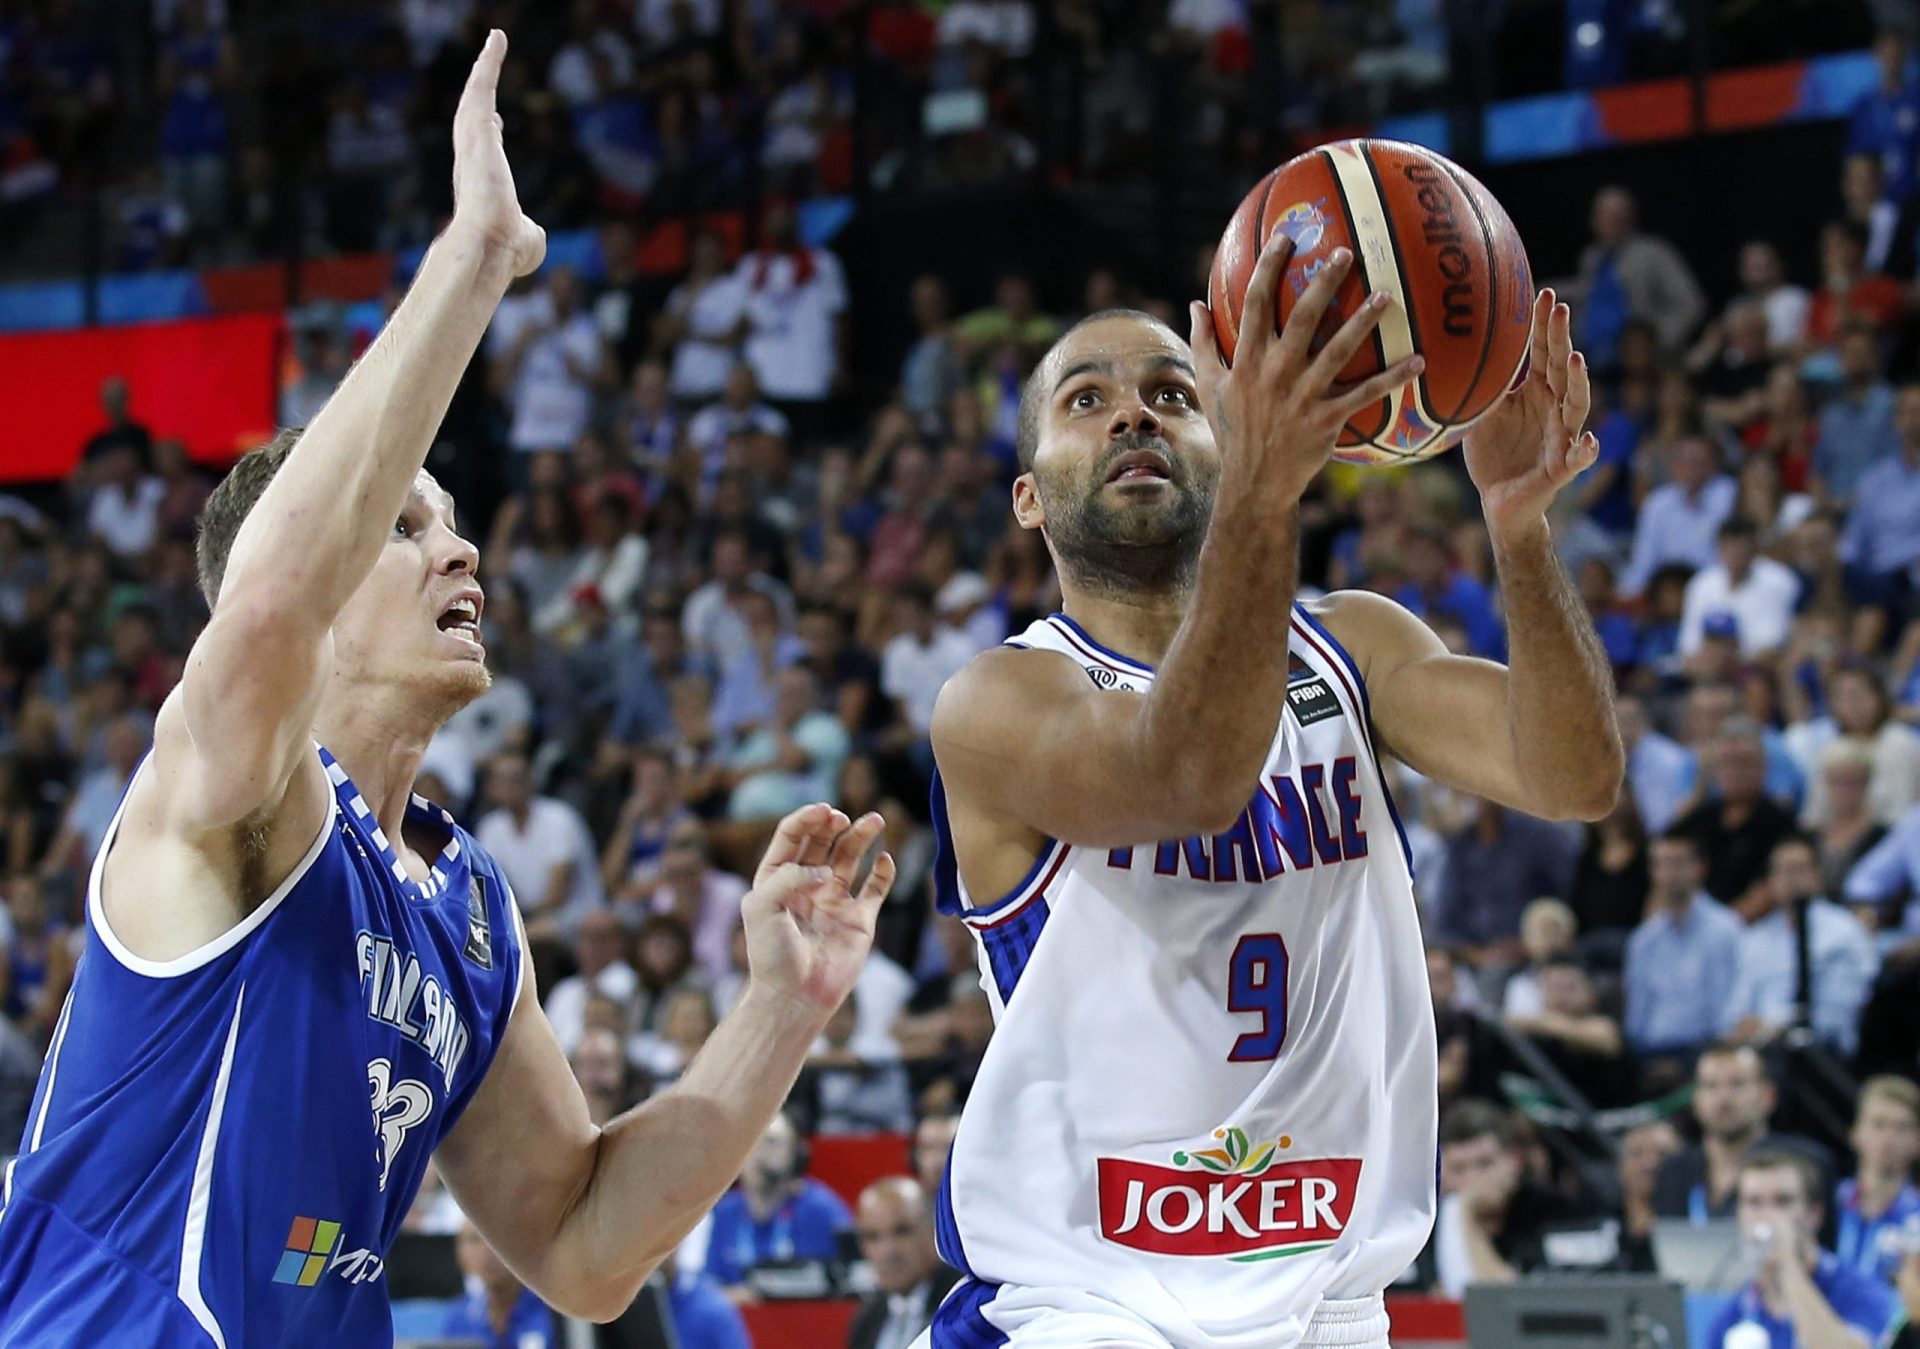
pixel 1259 231
pixel 1492 309
pixel 1421 392
pixel 1367 284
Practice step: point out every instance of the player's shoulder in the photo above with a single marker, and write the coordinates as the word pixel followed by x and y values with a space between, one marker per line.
pixel 1003 681
pixel 1376 630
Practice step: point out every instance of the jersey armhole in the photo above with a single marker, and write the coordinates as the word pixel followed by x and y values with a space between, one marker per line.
pixel 521 957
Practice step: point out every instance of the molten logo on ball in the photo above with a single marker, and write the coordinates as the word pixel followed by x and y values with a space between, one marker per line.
pixel 1437 226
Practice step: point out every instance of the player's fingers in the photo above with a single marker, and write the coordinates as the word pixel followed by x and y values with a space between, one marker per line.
pixel 1262 300
pixel 1296 340
pixel 783 887
pixel 1537 340
pixel 819 848
pixel 1374 388
pixel 851 847
pixel 790 836
pixel 1207 364
pixel 477 98
pixel 1579 399
pixel 1559 349
pixel 1340 347
pixel 879 881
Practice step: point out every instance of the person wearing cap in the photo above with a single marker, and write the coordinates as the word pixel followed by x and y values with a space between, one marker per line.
pixel 1741 595
pixel 964 604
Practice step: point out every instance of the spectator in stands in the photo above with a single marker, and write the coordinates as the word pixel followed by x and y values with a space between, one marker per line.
pixel 1733 1099
pixel 1679 521
pixel 920 658
pixel 894 1221
pixel 685 1021
pixel 1801 1294
pixel 549 360
pixel 1437 585
pixel 1624 275
pixel 1576 1035
pixel 1857 428
pixel 776 1214
pixel 36 960
pixel 1881 546
pixel 124 510
pixel 1756 592
pixel 1861 715
pixel 1610 880
pixel 1763 280
pixel 933 370
pixel 1780 987
pixel 1497 863
pixel 1845 829
pixel 1492 1219
pixel 792 757
pixel 1643 1150
pixel 794 299
pixel 1876 1207
pixel 1890 869
pixel 846 1093
pixel 1659 771
pixel 715 628
pixel 1680 962
pixel 700 895
pixel 543 848
pixel 739 411
pixel 1885 121
pixel 601 1067
pixel 1737 827
pixel 698 330
pixel 121 430
pixel 600 949
pixel 1012 317
pixel 497 1309
pixel 1851 295
pixel 1547 931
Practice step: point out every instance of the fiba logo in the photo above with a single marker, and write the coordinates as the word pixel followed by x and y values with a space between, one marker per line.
pixel 1102 676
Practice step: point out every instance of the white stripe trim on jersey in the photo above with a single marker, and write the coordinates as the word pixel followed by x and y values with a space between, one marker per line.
pixel 53 1071
pixel 1016 902
pixel 1343 671
pixel 1099 655
pixel 520 927
pixel 220 945
pixel 193 1238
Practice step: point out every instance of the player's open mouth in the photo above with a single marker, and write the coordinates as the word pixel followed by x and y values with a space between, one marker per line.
pixel 461 618
pixel 1140 466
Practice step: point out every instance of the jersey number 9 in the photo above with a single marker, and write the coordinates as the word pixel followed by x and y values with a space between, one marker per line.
pixel 1257 985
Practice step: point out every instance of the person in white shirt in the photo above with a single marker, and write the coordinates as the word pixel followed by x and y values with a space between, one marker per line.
pixel 921 658
pixel 701 323
pixel 548 360
pixel 714 630
pixel 1860 711
pixel 542 845
pixel 1757 591
pixel 1678 520
pixel 124 512
pixel 1767 995
pixel 600 947
pixel 795 306
pixel 1763 276
pixel 1659 770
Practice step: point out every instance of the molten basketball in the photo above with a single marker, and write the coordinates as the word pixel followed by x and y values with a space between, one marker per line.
pixel 1426 232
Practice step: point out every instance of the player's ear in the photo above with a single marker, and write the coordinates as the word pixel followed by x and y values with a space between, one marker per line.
pixel 1026 503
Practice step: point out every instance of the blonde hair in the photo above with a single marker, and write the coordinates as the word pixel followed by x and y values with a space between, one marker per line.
pixel 1894 1090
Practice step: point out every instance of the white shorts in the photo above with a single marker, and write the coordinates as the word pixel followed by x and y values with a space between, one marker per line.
pixel 1051 1319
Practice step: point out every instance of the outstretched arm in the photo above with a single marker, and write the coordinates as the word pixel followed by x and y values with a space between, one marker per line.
pixel 583 1214
pixel 1538 734
pixel 255 675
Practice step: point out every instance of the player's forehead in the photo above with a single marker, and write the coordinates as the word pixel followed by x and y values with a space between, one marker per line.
pixel 1119 347
pixel 432 497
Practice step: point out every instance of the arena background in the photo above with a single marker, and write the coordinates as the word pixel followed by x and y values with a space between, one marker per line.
pixel 207 208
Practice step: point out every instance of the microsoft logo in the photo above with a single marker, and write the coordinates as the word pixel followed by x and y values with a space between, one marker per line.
pixel 305 1259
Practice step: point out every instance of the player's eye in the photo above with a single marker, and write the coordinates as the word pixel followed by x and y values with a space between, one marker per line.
pixel 1083 400
pixel 402 529
pixel 1183 397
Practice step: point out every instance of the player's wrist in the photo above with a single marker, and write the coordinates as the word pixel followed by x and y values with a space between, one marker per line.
pixel 786 1008
pixel 1522 539
pixel 489 255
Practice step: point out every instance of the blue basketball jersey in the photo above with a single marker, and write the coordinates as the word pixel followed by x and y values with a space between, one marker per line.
pixel 223 1146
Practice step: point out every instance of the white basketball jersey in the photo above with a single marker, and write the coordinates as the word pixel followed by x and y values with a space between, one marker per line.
pixel 1211 1092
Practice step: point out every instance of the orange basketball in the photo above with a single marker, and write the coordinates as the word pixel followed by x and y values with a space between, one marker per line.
pixel 1426 232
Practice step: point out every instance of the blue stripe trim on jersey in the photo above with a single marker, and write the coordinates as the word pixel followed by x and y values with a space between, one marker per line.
pixel 946 1229
pixel 1009 946
pixel 946 870
pixel 1366 710
pixel 961 1321
pixel 1126 662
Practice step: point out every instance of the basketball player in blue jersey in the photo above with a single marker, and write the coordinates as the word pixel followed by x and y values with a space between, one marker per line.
pixel 1207 1115
pixel 301 980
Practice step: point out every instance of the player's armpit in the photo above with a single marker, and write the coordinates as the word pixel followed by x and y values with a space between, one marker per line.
pixel 1445 716
pixel 1024 738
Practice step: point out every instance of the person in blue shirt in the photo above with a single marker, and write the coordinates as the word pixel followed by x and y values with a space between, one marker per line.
pixel 1874 1209
pixel 703 1318
pixel 1436 587
pixel 776 1214
pixel 498 1310
pixel 1885 122
pixel 1801 1296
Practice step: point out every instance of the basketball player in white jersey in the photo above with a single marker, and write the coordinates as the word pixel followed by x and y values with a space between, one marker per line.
pixel 1207 1115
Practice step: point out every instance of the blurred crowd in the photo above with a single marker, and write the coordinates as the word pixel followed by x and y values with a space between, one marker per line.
pixel 722 581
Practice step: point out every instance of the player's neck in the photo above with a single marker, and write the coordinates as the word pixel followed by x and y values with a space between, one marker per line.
pixel 1140 627
pixel 379 745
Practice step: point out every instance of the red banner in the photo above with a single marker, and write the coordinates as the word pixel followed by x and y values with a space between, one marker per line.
pixel 207 382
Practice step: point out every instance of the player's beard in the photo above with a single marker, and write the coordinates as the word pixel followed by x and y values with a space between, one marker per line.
pixel 1139 546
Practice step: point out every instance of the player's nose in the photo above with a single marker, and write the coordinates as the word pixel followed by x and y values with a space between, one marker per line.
pixel 1133 416
pixel 461 555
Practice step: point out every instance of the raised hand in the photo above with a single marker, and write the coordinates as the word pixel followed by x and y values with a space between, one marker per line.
pixel 1280 403
pixel 808 933
pixel 484 200
pixel 1531 444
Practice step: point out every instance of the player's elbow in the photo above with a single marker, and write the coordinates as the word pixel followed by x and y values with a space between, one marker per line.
pixel 1588 798
pixel 596 1295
